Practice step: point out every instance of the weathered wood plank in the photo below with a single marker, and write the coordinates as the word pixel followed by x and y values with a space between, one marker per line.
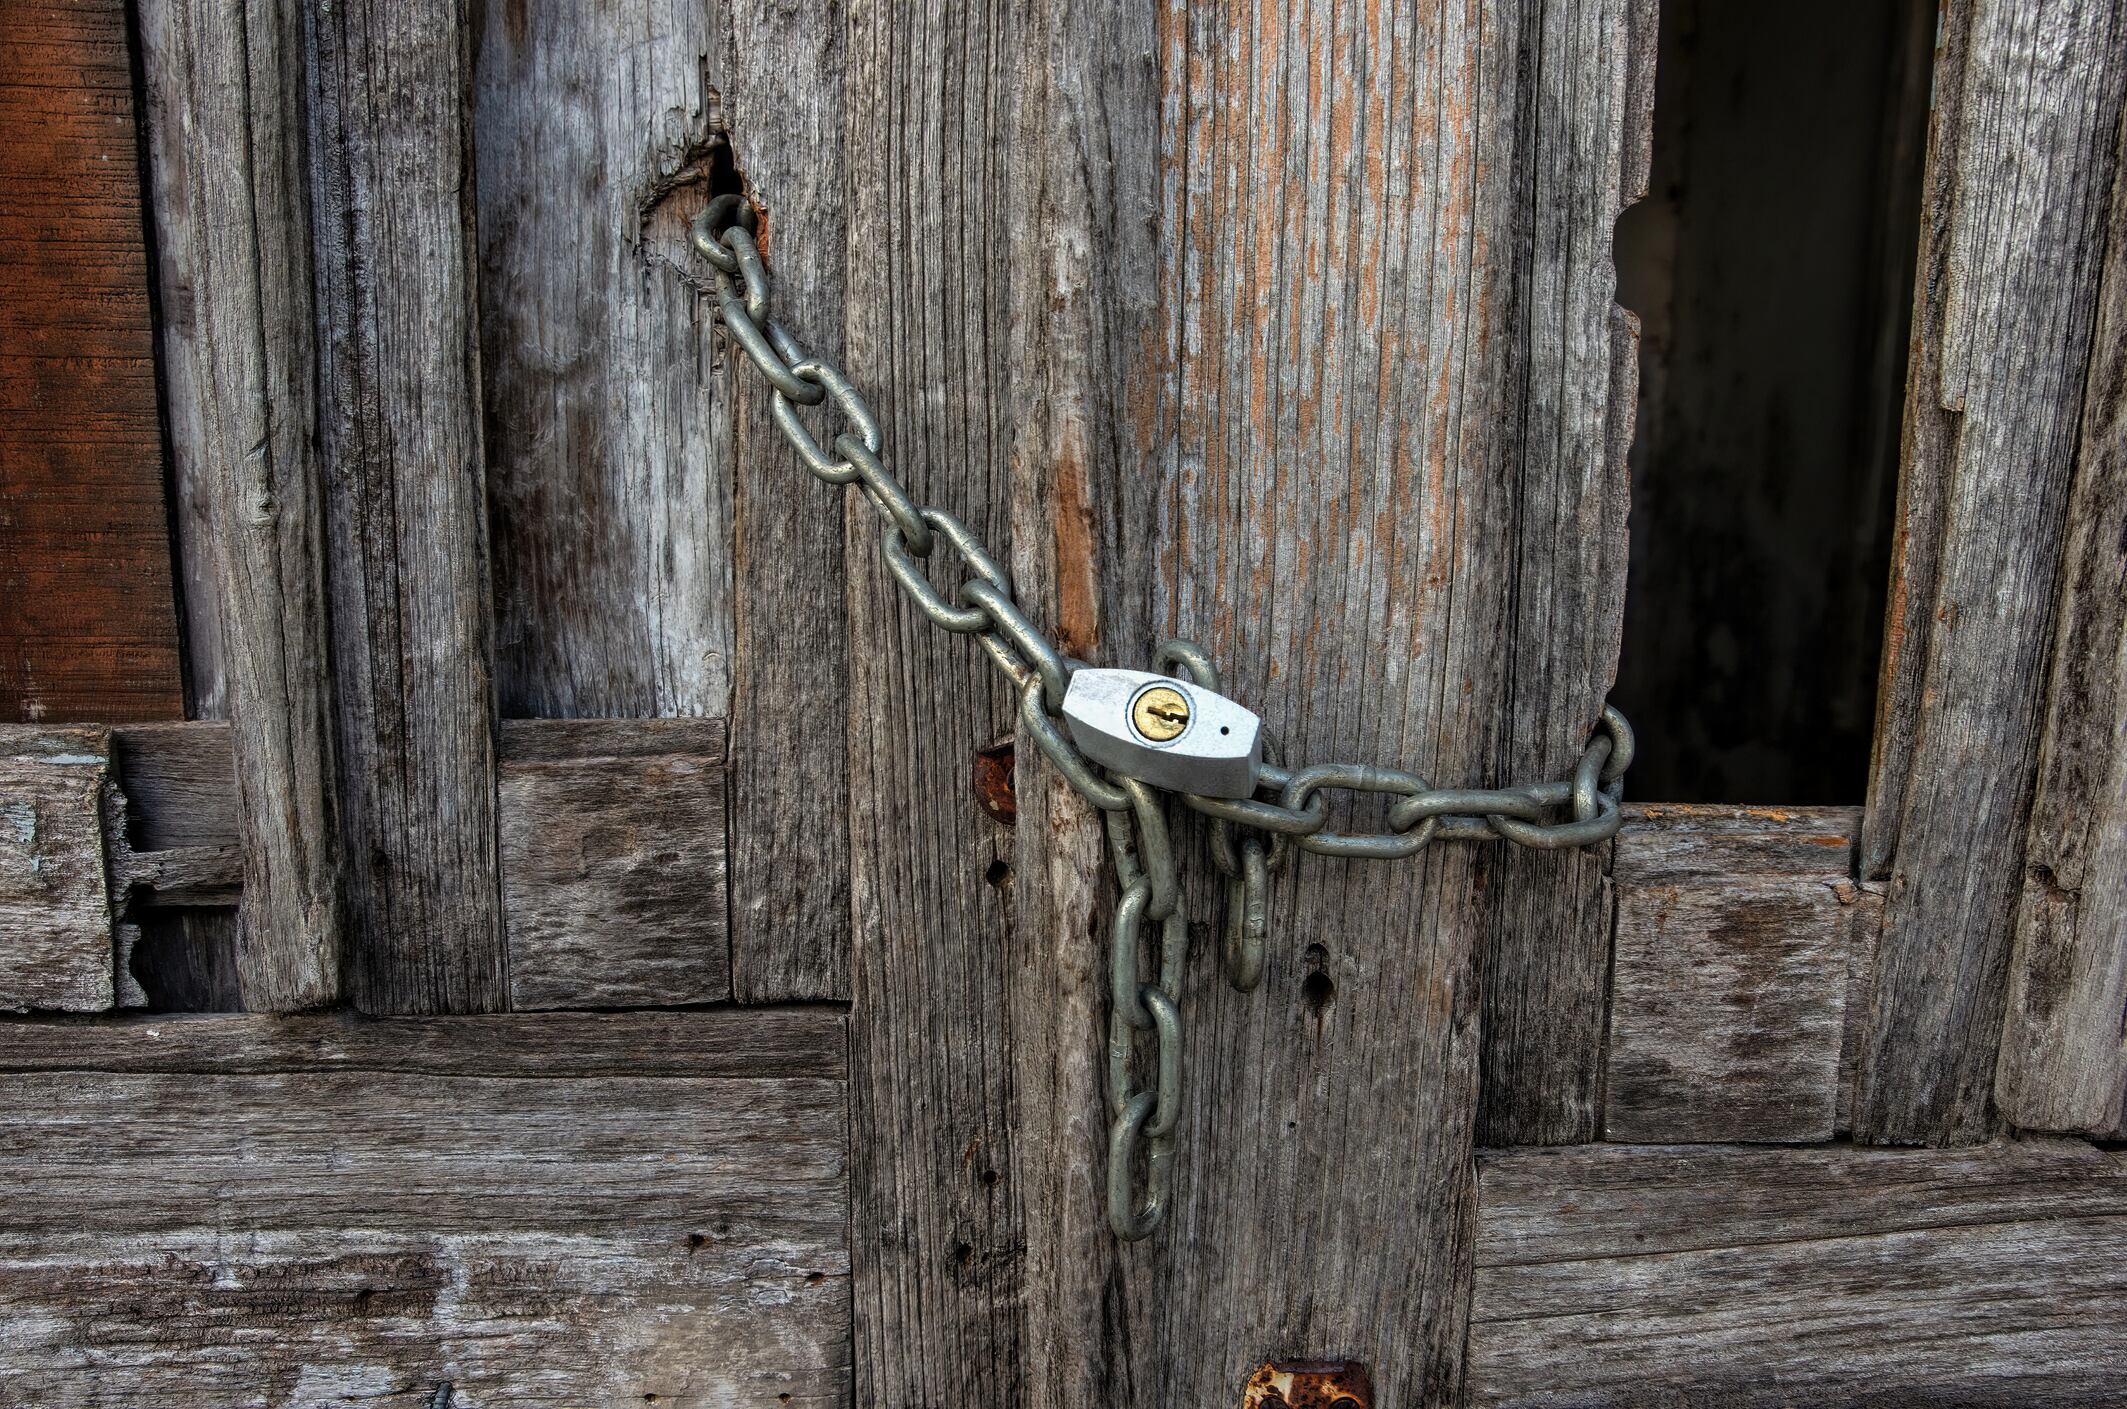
pixel 612 854
pixel 2021 153
pixel 2063 1062
pixel 1083 208
pixel 613 863
pixel 1649 1277
pixel 608 436
pixel 936 272
pixel 180 784
pixel 88 621
pixel 790 788
pixel 55 898
pixel 1340 264
pixel 511 1230
pixel 1582 126
pixel 728 1043
pixel 406 509
pixel 1728 1007
pixel 232 211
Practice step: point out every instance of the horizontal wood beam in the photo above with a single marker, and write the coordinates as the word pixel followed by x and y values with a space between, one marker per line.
pixel 612 857
pixel 589 1209
pixel 1613 1274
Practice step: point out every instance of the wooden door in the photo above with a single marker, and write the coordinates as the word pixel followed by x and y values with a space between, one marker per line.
pixel 583 940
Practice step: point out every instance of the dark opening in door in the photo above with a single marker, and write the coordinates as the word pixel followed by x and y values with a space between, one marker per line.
pixel 1771 266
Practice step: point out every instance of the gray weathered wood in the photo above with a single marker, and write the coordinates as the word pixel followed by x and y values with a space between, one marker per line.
pixel 608 445
pixel 790 788
pixel 55 897
pixel 1376 248
pixel 557 1221
pixel 1660 1278
pixel 612 855
pixel 233 239
pixel 727 1043
pixel 1571 372
pixel 2063 1064
pixel 942 1203
pixel 406 509
pixel 613 863
pixel 1728 1005
pixel 2027 107
pixel 180 784
pixel 1083 207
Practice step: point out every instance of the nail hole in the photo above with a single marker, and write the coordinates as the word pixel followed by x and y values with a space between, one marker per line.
pixel 1316 990
pixel 998 871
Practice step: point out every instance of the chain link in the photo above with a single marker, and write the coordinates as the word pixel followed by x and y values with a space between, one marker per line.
pixel 1250 837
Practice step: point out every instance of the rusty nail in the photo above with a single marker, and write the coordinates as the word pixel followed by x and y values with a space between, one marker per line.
pixel 1309 1384
pixel 993 781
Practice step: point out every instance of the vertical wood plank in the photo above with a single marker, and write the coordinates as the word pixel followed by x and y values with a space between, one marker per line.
pixel 406 507
pixel 790 791
pixel 88 624
pixel 232 209
pixel 1348 274
pixel 608 443
pixel 937 1206
pixel 2021 151
pixel 1584 126
pixel 1093 201
pixel 2062 1065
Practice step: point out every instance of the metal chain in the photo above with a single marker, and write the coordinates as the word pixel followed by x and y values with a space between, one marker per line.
pixel 1251 837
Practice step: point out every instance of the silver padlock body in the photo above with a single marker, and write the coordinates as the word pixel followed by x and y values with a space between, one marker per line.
pixel 1217 754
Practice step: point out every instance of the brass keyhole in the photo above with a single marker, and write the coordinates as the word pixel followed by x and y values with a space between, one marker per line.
pixel 1160 713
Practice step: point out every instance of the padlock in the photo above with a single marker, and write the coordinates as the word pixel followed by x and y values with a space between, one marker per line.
pixel 1163 731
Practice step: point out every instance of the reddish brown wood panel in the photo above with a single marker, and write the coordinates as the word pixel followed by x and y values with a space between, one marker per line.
pixel 88 622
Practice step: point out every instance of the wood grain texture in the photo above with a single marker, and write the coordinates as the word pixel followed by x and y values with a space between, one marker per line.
pixel 1083 205
pixel 1728 1006
pixel 1663 1278
pixel 418 1228
pixel 728 1043
pixel 1582 127
pixel 936 275
pixel 612 856
pixel 1337 268
pixel 2063 1062
pixel 232 211
pixel 608 436
pixel 790 799
pixel 88 624
pixel 613 863
pixel 2021 155
pixel 406 508
pixel 55 898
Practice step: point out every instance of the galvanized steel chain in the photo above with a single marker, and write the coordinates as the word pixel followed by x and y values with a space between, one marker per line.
pixel 1252 835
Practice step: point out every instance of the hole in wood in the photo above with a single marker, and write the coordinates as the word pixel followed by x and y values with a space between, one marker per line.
pixel 1771 267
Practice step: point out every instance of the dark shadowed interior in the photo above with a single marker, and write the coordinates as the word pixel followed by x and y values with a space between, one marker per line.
pixel 1771 266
